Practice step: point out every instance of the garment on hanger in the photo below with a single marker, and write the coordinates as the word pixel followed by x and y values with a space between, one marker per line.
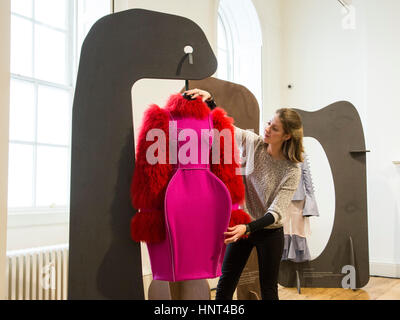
pixel 186 202
pixel 296 227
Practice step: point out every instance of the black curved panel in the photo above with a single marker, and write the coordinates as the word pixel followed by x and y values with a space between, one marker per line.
pixel 104 263
pixel 339 130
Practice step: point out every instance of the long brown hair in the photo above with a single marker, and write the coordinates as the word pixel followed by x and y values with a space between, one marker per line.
pixel 291 121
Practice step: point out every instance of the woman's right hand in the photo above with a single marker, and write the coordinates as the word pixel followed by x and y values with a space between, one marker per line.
pixel 235 233
pixel 197 92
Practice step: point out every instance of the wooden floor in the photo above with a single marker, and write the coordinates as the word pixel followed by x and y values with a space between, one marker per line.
pixel 377 289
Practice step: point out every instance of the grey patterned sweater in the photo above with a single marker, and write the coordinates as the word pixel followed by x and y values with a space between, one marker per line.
pixel 269 183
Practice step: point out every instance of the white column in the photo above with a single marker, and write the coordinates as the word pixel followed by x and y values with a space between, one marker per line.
pixel 4 118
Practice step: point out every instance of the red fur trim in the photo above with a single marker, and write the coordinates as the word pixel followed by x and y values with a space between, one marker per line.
pixel 148 226
pixel 180 106
pixel 225 171
pixel 149 181
pixel 239 217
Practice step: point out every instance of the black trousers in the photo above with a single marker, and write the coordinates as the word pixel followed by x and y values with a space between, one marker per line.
pixel 269 245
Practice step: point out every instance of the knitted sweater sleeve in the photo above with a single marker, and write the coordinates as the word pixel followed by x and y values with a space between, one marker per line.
pixel 262 222
pixel 246 138
pixel 285 194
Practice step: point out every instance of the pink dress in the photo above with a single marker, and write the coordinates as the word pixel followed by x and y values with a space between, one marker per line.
pixel 197 208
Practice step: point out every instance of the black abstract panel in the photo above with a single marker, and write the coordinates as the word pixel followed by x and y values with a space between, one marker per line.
pixel 104 263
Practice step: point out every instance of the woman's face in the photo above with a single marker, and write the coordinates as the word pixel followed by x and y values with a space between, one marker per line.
pixel 274 133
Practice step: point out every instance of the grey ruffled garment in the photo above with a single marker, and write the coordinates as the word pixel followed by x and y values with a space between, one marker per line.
pixel 295 249
pixel 305 190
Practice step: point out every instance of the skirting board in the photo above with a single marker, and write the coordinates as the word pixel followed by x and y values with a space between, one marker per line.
pixel 380 269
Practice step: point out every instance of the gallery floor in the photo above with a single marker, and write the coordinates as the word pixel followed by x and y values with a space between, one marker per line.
pixel 378 288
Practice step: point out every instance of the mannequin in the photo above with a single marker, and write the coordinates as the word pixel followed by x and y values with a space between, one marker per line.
pixel 184 207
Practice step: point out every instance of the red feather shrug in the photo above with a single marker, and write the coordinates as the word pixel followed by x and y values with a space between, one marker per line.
pixel 149 182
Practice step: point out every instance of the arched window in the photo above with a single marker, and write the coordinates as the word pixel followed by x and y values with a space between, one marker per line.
pixel 240 45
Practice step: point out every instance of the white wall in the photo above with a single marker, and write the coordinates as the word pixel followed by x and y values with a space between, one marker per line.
pixel 4 127
pixel 38 230
pixel 326 63
pixel 383 109
pixel 269 14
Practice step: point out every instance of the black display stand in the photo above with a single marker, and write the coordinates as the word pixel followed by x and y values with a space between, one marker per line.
pixel 120 49
pixel 339 130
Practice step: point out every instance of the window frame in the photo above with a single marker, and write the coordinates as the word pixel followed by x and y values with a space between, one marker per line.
pixel 230 52
pixel 72 64
pixel 229 17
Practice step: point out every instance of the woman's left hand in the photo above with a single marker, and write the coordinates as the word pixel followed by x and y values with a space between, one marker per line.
pixel 197 92
pixel 235 232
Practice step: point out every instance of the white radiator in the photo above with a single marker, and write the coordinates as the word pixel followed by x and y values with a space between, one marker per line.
pixel 38 273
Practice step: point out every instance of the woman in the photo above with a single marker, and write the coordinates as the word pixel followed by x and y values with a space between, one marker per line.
pixel 270 186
